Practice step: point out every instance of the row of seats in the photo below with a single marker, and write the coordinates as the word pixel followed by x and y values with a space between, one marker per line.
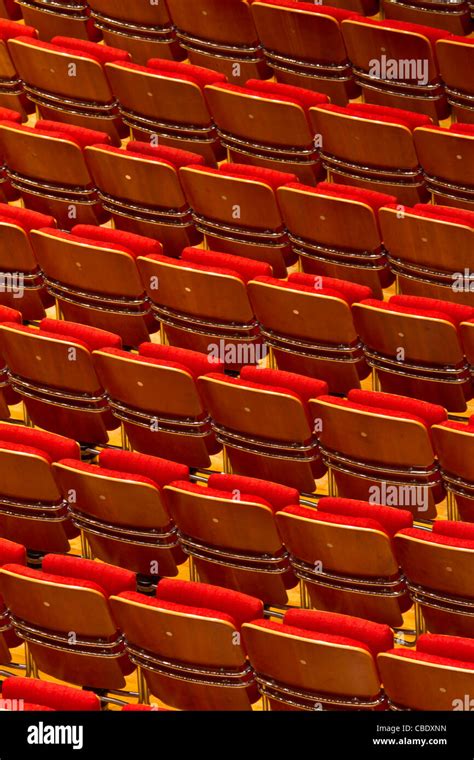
pixel 202 647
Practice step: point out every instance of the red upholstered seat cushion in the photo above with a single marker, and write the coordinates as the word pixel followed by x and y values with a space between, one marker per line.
pixel 392 520
pixel 241 383
pixel 6 114
pixel 23 217
pixel 196 363
pixel 147 359
pixel 40 575
pixel 444 662
pixel 300 288
pixel 337 13
pixel 371 408
pixel 241 607
pixel 455 647
pixel 210 269
pixel 453 425
pixel 247 269
pixel 438 538
pixel 301 96
pixel 407 119
pixel 10 315
pixel 431 414
pixel 10 29
pixel 55 446
pixel 276 495
pixel 304 387
pixel 136 245
pixel 462 129
pixel 92 337
pixel 80 135
pixel 20 448
pixel 455 529
pixel 215 493
pixel 11 552
pixel 184 609
pixel 376 636
pixel 198 74
pixel 182 75
pixel 309 513
pixel 101 53
pixel 369 197
pixel 454 312
pixel 109 577
pixel 449 213
pixel 145 708
pixel 259 174
pixel 411 310
pixel 349 291
pixel 93 469
pixel 53 696
pixel 159 471
pixel 162 152
pixel 45 334
pixel 430 32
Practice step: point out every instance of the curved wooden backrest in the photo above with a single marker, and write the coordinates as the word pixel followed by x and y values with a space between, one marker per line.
pixel 318 666
pixel 423 685
pixel 50 70
pixel 138 12
pixel 16 252
pixel 25 476
pixel 447 155
pixel 224 522
pixel 424 339
pixel 154 95
pixel 253 411
pixel 447 569
pixel 299 33
pixel 467 338
pixel 57 607
pixel 178 635
pixel 455 451
pixel 328 220
pixel 217 196
pixel 151 388
pixel 113 500
pixel 343 549
pixel 259 118
pixel 456 62
pixel 42 157
pixel 89 266
pixel 210 295
pixel 364 141
pixel 365 42
pixel 304 315
pixel 55 362
pixel 227 21
pixel 371 437
pixel 443 245
pixel 135 179
pixel 7 69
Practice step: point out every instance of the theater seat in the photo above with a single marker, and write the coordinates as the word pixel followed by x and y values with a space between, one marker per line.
pixel 456 58
pixel 37 696
pixel 453 17
pixel 454 442
pixel 63 18
pixel 12 94
pixel 8 397
pixel 9 552
pixel 447 156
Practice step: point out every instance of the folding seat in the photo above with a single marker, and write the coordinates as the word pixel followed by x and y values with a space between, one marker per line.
pixel 202 303
pixel 8 397
pixel 454 444
pixel 12 94
pixel 456 60
pixel 303 45
pixel 317 661
pixel 447 158
pixel 9 552
pixel 372 146
pixel 70 18
pixel 414 347
pixel 395 64
pixel 51 369
pixel 143 28
pixel 32 510
pixel 187 644
pixel 266 124
pixel 455 17
pixel 78 92
pixel 307 322
pixel 430 250
pixel 22 285
pixel 46 164
pixel 33 695
pixel 163 103
pixel 155 397
pixel 64 615
pixel 343 555
pixel 92 274
pixel 7 192
pixel 263 421
pixel 220 35
pixel 334 230
pixel 377 448
pixel 121 509
pixel 439 675
pixel 229 531
pixel 237 210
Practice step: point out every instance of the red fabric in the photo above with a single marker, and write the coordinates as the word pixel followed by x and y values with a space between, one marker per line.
pixel 216 493
pixel 184 609
pixel 93 469
pixel 432 414
pixel 452 425
pixel 12 553
pixel 351 292
pixel 117 352
pixel 451 214
pixel 371 408
pixel 51 695
pixel 101 53
pixel 248 269
pixel 173 75
pixel 134 154
pixel 161 152
pixel 392 520
pixel 267 176
pixel 455 647
pixel 80 135
pixel 28 220
pixel 10 29
pixel 197 364
pixel 437 538
pixel 94 338
pixel 376 636
pixel 432 34
pixel 337 13
pixel 257 386
pixel 137 245
pixel 304 387
pixel 10 315
pixel 454 529
pixel 361 195
pixel 457 38
pixel 309 513
pixel 40 575
pixel 43 333
pixel 6 114
pixel 296 286
pixel 462 129
pixel 305 633
pixel 56 446
pixel 159 471
pixel 210 269
pixel 276 495
pixel 109 577
pixel 197 74
pixel 412 310
pixel 407 119
pixel 241 607
pixel 305 98
pixel 70 238
pixel 22 449
pixel 449 662
pixel 144 708
pixel 455 312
